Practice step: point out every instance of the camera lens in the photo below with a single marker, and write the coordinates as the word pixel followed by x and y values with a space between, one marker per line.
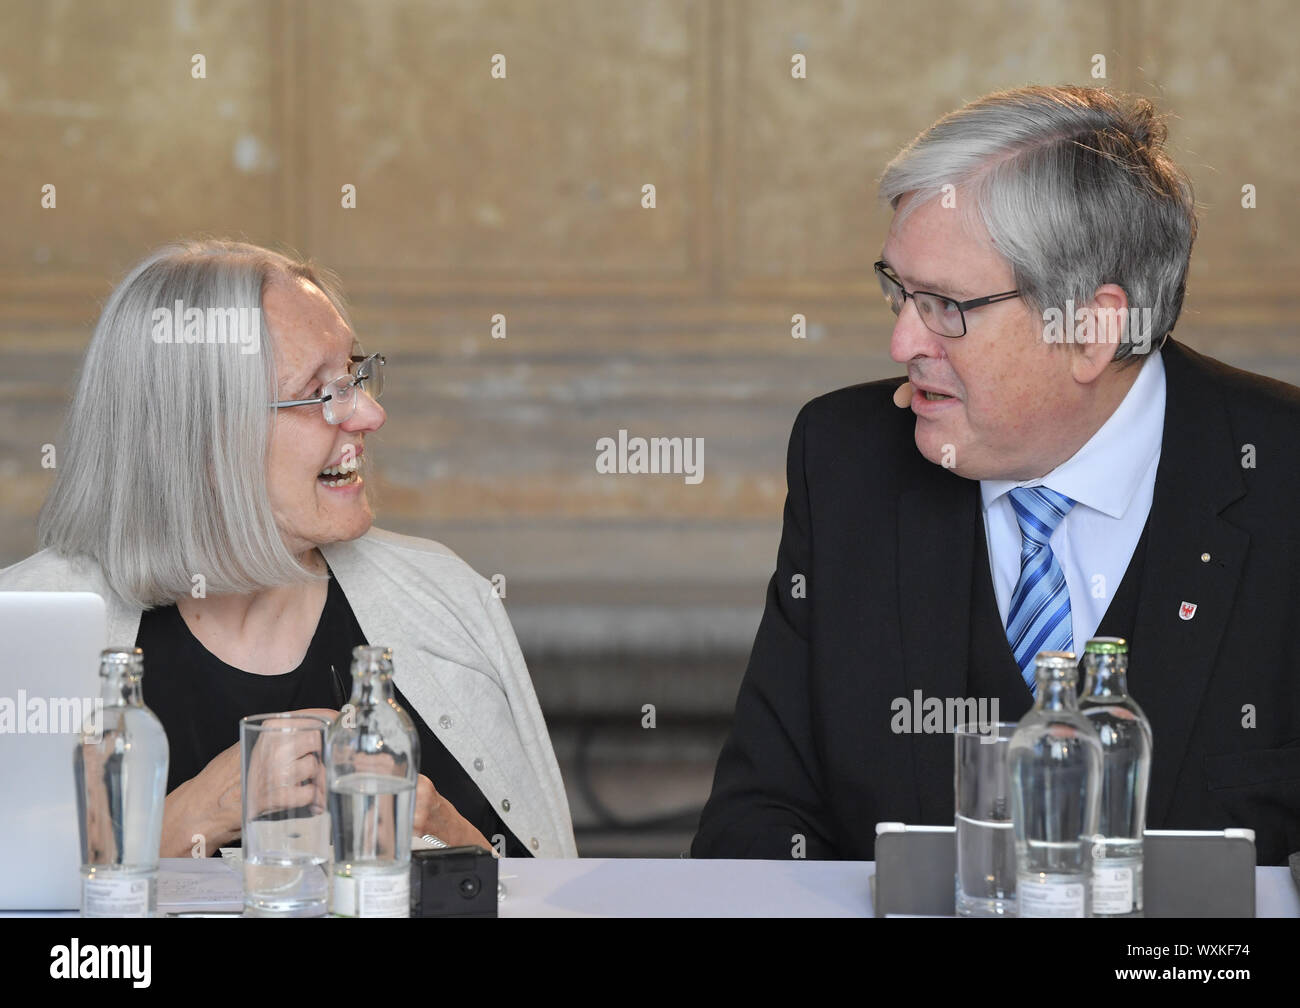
pixel 469 886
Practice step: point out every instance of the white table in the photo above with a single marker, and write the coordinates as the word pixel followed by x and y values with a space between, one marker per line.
pixel 670 887
pixel 640 887
pixel 681 887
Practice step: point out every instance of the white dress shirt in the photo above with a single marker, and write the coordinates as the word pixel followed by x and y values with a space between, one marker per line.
pixel 1111 479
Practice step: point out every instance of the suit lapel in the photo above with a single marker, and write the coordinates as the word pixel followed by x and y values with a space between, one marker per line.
pixel 1172 657
pixel 936 537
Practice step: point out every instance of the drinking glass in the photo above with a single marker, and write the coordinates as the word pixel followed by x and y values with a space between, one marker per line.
pixel 286 839
pixel 986 840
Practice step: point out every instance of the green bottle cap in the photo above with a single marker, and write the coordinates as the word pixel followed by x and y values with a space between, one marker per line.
pixel 1106 645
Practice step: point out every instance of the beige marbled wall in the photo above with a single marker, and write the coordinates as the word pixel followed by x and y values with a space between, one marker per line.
pixel 522 196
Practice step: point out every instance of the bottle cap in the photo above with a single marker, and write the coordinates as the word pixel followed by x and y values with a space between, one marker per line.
pixel 1106 645
pixel 114 658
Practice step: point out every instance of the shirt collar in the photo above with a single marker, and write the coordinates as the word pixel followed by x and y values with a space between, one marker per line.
pixel 1105 473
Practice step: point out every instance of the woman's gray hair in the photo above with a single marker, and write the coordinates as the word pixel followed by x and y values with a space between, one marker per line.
pixel 161 475
pixel 1075 190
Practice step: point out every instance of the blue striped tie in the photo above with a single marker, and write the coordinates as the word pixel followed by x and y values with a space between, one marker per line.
pixel 1039 619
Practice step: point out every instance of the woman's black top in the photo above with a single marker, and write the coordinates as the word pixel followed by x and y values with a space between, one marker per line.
pixel 200 699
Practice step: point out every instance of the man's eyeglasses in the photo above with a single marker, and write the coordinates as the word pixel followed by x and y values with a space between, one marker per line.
pixel 941 315
pixel 338 399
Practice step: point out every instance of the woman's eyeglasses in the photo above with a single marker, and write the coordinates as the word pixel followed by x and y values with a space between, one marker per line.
pixel 338 399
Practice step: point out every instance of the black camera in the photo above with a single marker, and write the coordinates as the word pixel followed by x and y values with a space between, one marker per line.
pixel 453 882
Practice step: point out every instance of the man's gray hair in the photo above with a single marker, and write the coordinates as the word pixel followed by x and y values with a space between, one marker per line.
pixel 1075 190
pixel 161 473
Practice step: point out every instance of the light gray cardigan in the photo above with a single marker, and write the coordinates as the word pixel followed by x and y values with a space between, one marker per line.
pixel 455 658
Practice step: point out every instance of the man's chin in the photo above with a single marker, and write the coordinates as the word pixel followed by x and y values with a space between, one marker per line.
pixel 949 457
pixel 941 453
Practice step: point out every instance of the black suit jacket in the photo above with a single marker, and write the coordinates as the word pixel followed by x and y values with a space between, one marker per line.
pixel 885 540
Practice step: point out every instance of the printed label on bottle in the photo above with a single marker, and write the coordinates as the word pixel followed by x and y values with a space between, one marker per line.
pixel 1049 899
pixel 115 897
pixel 343 896
pixel 386 895
pixel 1112 888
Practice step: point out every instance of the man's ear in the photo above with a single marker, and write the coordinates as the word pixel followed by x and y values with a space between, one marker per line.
pixel 1108 313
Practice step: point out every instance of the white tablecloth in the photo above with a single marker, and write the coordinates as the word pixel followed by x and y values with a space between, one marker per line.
pixel 637 887
pixel 642 887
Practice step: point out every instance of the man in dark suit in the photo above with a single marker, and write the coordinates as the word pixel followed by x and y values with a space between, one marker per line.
pixel 1171 481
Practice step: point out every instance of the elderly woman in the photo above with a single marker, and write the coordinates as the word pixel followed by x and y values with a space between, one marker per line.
pixel 211 487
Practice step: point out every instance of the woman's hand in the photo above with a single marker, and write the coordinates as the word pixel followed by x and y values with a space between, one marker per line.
pixel 208 805
pixel 434 814
pixel 205 806
pixel 285 772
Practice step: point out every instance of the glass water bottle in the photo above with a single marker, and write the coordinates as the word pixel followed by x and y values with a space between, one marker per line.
pixel 120 767
pixel 372 759
pixel 1055 760
pixel 1125 737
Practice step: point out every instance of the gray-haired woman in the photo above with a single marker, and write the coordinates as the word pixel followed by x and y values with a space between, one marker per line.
pixel 211 488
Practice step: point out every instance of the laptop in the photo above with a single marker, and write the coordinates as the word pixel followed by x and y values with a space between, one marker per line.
pixel 49 683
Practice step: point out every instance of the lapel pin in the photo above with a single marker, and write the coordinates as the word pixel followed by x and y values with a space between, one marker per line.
pixel 1187 610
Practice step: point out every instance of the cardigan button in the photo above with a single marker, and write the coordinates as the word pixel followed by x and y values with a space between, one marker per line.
pixel 444 722
pixel 478 764
pixel 505 804
pixel 533 843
